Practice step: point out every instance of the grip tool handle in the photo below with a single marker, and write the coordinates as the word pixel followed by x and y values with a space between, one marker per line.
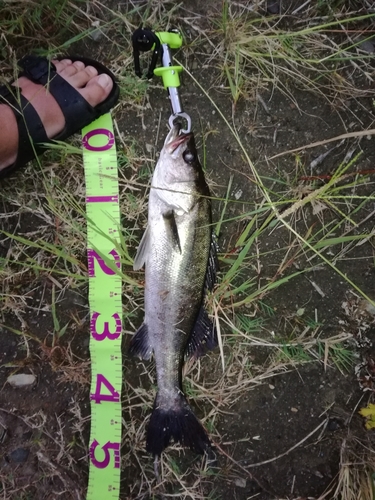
pixel 161 43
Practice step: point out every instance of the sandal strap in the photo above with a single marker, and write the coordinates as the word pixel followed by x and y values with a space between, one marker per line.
pixel 24 113
pixel 76 110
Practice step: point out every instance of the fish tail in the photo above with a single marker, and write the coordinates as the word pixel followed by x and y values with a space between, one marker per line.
pixel 177 423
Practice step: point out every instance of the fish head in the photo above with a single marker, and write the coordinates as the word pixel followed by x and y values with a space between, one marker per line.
pixel 178 175
pixel 179 156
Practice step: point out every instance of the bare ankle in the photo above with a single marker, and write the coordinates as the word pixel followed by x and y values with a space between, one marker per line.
pixel 9 142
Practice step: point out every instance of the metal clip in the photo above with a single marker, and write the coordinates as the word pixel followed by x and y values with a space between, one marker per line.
pixel 184 116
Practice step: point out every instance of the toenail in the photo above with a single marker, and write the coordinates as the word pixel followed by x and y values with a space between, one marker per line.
pixel 79 64
pixel 91 71
pixel 104 80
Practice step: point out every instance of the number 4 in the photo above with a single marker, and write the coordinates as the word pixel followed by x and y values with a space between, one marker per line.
pixel 98 397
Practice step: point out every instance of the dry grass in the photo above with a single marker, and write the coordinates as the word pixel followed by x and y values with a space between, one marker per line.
pixel 313 226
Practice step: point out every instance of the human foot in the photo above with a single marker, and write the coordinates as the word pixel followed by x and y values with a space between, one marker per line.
pixel 93 87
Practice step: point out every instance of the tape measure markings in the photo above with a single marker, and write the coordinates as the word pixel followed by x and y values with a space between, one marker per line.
pixel 104 264
pixel 101 199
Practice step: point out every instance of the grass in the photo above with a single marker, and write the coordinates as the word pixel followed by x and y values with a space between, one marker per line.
pixel 296 246
pixel 321 54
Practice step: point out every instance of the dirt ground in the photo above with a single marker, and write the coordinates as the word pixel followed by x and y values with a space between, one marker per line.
pixel 284 420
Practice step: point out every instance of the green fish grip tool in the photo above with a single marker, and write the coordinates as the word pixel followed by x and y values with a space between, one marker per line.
pixel 161 43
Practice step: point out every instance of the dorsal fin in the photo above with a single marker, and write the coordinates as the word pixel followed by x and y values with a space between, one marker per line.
pixel 203 336
pixel 212 266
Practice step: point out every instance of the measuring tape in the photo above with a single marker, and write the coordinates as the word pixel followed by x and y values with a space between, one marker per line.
pixel 104 268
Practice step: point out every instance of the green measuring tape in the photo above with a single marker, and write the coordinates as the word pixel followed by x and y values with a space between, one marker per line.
pixel 104 268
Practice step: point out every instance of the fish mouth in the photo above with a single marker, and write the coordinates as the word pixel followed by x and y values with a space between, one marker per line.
pixel 175 139
pixel 181 139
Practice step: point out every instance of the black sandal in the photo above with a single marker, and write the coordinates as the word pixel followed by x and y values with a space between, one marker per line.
pixel 77 111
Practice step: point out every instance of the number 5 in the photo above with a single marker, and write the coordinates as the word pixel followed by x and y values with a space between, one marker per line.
pixel 107 456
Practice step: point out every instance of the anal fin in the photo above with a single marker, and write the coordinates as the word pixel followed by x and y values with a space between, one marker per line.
pixel 203 336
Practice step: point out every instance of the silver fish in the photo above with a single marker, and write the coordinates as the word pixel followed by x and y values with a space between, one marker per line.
pixel 180 257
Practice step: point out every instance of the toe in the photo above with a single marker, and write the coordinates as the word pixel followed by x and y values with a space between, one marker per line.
pixel 68 71
pixel 97 89
pixel 79 65
pixel 60 65
pixel 91 71
pixel 93 87
pixel 82 77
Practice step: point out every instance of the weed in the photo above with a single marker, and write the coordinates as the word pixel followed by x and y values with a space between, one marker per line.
pixel 295 237
pixel 306 56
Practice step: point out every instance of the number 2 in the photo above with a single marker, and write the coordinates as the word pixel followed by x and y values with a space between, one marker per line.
pixel 91 255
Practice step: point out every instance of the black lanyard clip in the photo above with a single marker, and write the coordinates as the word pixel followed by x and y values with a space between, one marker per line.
pixel 144 40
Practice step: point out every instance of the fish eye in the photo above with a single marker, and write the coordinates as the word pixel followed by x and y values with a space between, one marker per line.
pixel 189 157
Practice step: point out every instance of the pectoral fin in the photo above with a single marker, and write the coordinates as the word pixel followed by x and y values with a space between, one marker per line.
pixel 172 230
pixel 142 252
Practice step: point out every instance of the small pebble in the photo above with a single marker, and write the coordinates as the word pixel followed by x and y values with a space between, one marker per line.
pixel 294 410
pixel 367 46
pixel 240 482
pixel 368 307
pixel 21 380
pixel 273 6
pixel 238 194
pixel 19 455
pixel 318 474
pixel 333 424
pixel 97 34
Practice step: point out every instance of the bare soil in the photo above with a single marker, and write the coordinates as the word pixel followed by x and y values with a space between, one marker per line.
pixel 283 437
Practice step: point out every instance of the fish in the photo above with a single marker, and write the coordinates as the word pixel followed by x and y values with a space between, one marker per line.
pixel 178 250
